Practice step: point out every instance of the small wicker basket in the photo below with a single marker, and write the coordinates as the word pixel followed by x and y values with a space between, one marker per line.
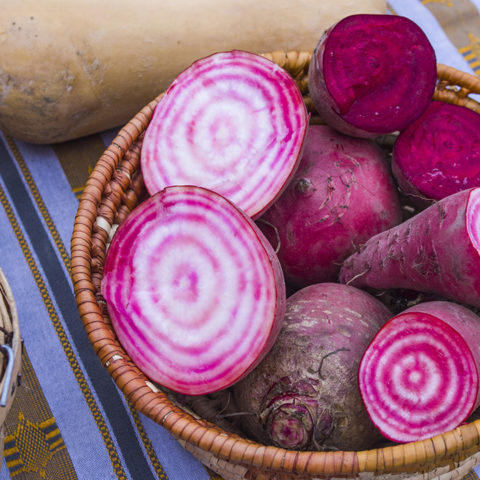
pixel 112 191
pixel 11 348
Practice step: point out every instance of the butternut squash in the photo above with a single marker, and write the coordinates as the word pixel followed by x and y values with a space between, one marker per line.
pixel 71 68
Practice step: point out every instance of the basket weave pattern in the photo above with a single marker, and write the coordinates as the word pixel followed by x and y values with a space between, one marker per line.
pixel 9 335
pixel 114 188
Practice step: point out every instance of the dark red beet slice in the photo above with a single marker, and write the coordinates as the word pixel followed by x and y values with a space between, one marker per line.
pixel 439 154
pixel 372 74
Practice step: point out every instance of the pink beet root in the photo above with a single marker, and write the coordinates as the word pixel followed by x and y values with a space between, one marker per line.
pixel 233 122
pixel 439 153
pixel 419 377
pixel 304 394
pixel 194 290
pixel 372 74
pixel 437 251
pixel 341 195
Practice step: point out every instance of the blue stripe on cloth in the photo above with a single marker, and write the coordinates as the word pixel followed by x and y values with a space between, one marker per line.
pixel 62 205
pixel 120 421
pixel 57 195
pixel 177 462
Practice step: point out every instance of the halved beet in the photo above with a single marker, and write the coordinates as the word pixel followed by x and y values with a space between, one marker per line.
pixel 419 377
pixel 372 74
pixel 233 122
pixel 439 153
pixel 195 292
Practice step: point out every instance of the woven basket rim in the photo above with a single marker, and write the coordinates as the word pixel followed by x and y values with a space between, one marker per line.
pixel 423 455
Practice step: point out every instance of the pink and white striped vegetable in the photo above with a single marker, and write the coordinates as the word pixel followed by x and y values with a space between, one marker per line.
pixel 436 251
pixel 195 292
pixel 372 74
pixel 439 153
pixel 233 122
pixel 419 377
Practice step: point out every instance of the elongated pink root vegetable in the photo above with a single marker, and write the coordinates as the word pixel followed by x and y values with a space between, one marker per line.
pixel 304 394
pixel 195 292
pixel 437 251
pixel 233 122
pixel 372 74
pixel 439 153
pixel 341 195
pixel 419 377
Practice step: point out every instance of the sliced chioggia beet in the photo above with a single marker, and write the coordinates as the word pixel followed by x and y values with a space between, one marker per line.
pixel 304 394
pixel 419 376
pixel 233 122
pixel 439 153
pixel 437 251
pixel 194 290
pixel 372 74
pixel 341 195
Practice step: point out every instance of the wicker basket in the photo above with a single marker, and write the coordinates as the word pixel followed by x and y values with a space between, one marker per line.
pixel 113 189
pixel 11 348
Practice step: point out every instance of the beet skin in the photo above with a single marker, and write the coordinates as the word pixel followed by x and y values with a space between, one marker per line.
pixel 341 195
pixel 304 394
pixel 435 251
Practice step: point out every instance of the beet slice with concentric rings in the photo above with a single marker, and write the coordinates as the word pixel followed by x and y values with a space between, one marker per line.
pixel 194 290
pixel 372 74
pixel 438 154
pixel 233 122
pixel 419 376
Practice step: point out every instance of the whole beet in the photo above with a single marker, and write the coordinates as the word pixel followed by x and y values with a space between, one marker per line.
pixel 304 395
pixel 341 195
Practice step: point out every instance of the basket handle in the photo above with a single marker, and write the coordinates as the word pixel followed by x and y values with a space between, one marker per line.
pixel 7 384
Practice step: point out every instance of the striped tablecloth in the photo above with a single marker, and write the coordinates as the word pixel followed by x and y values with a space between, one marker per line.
pixel 69 420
